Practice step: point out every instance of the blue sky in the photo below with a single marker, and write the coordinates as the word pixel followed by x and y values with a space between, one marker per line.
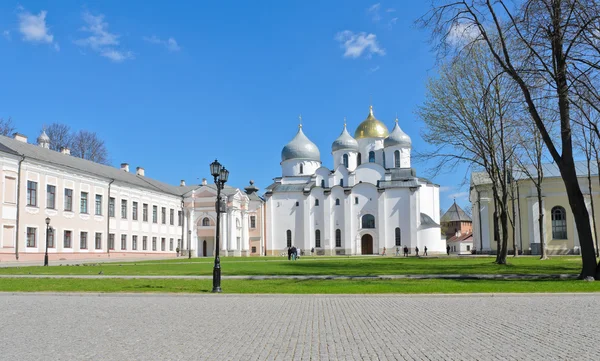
pixel 172 86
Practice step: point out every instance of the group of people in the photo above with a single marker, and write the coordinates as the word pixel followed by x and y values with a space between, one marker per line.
pixel 294 253
pixel 406 251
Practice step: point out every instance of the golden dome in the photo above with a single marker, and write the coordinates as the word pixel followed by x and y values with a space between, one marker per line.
pixel 371 128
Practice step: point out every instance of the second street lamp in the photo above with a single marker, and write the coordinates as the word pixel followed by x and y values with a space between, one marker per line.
pixel 47 239
pixel 220 174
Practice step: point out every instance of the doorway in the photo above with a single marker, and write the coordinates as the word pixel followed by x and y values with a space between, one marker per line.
pixel 204 248
pixel 366 244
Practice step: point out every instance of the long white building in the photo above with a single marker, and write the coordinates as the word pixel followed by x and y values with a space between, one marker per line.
pixel 371 200
pixel 97 211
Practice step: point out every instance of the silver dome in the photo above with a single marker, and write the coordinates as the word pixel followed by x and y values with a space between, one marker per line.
pixel 344 141
pixel 397 138
pixel 43 138
pixel 300 148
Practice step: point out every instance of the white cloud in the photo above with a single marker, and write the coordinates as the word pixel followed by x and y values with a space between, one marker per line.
pixel 446 188
pixel 373 10
pixel 461 33
pixel 170 43
pixel 390 10
pixel 101 40
pixel 459 195
pixel 34 28
pixel 392 22
pixel 372 70
pixel 355 45
pixel 6 34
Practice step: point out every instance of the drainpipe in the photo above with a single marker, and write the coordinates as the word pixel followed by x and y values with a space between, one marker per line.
pixel 18 207
pixel 108 218
pixel 264 225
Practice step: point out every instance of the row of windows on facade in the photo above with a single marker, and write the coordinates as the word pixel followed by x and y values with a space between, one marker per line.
pixel 359 160
pixel 338 237
pixel 32 200
pixel 83 241
pixel 455 249
pixel 206 222
pixel 337 201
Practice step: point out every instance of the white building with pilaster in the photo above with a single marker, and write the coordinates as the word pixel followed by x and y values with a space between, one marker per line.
pixel 558 232
pixel 372 199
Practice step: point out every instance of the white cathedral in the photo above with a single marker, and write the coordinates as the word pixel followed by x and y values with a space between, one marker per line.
pixel 371 200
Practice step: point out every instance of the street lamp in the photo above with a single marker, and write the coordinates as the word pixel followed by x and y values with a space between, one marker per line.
pixel 47 238
pixel 220 174
pixel 189 244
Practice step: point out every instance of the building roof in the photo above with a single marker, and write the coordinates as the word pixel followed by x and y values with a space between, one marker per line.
pixel 300 148
pixel 549 170
pixel 16 147
pixel 464 237
pixel 427 222
pixel 455 214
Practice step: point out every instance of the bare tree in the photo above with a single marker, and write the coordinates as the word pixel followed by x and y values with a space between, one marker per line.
pixel 7 127
pixel 60 136
pixel 468 115
pixel 549 42
pixel 88 146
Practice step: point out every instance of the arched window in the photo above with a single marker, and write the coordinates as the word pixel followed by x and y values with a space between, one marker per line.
pixel 397 159
pixel 358 159
pixel 337 201
pixel 316 202
pixel 338 238
pixel 301 169
pixel 345 160
pixel 559 223
pixel 322 183
pixel 398 237
pixel 371 157
pixel 368 221
pixel 318 238
pixel 355 200
pixel 289 238
pixel 205 222
pixel 383 155
pixel 342 182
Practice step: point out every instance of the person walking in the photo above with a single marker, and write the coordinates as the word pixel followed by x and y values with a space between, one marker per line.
pixel 289 253
pixel 448 250
pixel 405 251
pixel 293 253
pixel 425 251
pixel 397 251
pixel 298 253
pixel 312 251
pixel 417 251
pixel 383 254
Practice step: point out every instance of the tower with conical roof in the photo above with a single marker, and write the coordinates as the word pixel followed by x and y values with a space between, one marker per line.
pixel 456 221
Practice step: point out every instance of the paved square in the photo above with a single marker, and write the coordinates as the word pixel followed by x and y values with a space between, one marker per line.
pixel 299 327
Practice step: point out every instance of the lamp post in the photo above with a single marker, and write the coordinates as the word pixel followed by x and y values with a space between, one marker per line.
pixel 47 238
pixel 220 174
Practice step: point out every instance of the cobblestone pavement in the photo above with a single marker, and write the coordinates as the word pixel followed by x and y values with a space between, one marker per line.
pixel 299 327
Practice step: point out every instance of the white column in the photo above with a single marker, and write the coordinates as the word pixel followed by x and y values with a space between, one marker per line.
pixel 326 230
pixel 309 225
pixel 381 219
pixel 347 229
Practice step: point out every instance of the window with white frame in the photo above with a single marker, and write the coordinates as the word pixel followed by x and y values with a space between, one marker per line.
pixel 50 196
pixel 31 236
pixel 83 240
pixel 67 239
pixel 32 193
pixel 98 242
pixel 123 242
pixel 84 203
pixel 68 200
pixel 98 204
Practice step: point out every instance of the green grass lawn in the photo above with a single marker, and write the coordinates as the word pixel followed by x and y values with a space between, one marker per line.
pixel 343 266
pixel 295 286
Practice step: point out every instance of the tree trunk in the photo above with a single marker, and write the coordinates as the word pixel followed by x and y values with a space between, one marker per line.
pixel 514 233
pixel 589 176
pixel 497 236
pixel 504 225
pixel 544 254
pixel 580 213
